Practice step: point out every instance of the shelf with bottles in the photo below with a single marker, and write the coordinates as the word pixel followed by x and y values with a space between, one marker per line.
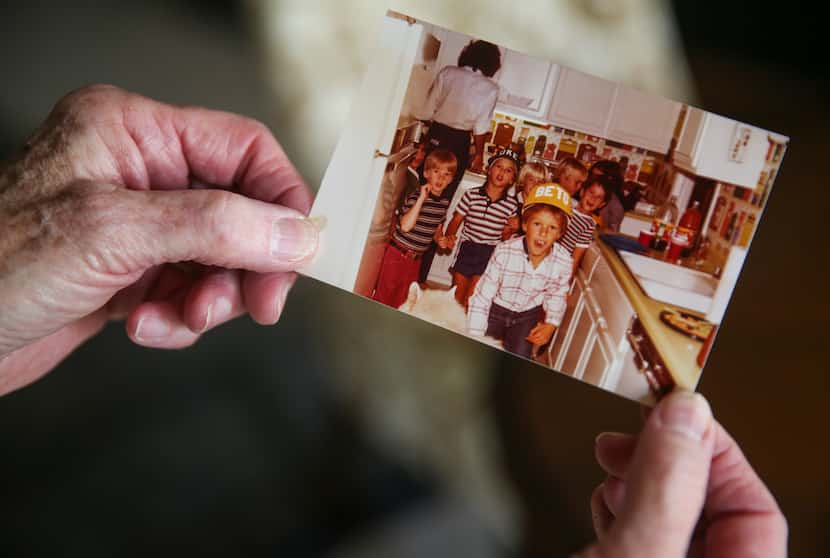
pixel 772 162
pixel 547 143
pixel 734 218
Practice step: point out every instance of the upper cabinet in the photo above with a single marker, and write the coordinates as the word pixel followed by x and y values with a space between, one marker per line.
pixel 581 102
pixel 526 84
pixel 643 120
pixel 721 148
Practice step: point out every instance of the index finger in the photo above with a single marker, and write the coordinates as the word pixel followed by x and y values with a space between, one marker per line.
pixel 164 147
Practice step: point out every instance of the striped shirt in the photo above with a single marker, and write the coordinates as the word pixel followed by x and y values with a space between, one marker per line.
pixel 433 212
pixel 580 231
pixel 484 219
pixel 511 282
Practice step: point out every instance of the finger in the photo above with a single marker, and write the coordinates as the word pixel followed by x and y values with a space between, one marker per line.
pixel 666 480
pixel 613 451
pixel 159 324
pixel 212 300
pixel 601 516
pixel 265 294
pixel 212 227
pixel 27 364
pixel 123 302
pixel 613 494
pixel 204 146
pixel 742 515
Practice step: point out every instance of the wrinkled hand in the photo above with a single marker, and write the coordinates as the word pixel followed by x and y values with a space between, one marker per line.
pixel 682 488
pixel 113 188
pixel 541 333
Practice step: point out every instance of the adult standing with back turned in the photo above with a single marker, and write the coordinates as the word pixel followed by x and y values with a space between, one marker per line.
pixel 459 107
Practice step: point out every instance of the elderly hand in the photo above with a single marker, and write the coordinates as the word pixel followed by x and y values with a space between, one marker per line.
pixel 110 191
pixel 682 488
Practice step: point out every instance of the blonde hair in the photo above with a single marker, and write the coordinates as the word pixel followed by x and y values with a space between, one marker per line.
pixel 570 163
pixel 441 157
pixel 538 170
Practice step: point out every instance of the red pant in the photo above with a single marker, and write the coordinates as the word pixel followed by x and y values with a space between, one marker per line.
pixel 397 272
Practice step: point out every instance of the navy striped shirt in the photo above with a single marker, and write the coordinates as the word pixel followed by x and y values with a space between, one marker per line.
pixel 433 212
pixel 484 219
pixel 580 231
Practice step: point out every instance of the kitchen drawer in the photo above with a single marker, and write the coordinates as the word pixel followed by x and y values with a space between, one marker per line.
pixel 612 302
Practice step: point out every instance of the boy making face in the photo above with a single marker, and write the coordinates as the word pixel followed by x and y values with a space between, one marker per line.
pixel 484 212
pixel 422 214
pixel 521 296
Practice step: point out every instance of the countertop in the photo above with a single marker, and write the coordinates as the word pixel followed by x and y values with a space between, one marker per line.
pixel 679 352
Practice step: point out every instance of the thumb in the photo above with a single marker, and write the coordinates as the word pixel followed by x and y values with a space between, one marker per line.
pixel 220 228
pixel 666 480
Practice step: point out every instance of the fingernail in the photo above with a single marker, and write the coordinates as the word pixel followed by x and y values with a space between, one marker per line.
pixel 151 327
pixel 293 239
pixel 686 413
pixel 279 303
pixel 217 312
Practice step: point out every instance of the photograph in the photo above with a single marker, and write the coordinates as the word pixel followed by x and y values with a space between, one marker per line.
pixel 577 222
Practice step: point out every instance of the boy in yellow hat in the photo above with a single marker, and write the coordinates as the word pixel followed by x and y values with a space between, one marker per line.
pixel 521 296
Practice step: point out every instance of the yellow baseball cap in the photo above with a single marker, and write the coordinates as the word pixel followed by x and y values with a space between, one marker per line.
pixel 549 193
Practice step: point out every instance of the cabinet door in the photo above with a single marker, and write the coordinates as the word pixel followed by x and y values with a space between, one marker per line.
pixel 713 153
pixel 684 154
pixel 561 339
pixel 452 44
pixel 643 120
pixel 581 102
pixel 353 178
pixel 526 84
pixel 598 360
pixel 582 331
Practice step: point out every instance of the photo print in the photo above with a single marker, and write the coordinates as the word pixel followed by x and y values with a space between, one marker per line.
pixel 592 228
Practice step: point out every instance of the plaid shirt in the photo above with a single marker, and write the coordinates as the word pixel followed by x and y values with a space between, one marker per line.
pixel 511 282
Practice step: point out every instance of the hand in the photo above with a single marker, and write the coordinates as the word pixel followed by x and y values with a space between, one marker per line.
pixel 450 239
pixel 682 488
pixel 111 189
pixel 424 192
pixel 477 164
pixel 541 334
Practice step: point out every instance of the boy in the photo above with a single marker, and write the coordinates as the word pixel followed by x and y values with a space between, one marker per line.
pixel 570 175
pixel 521 296
pixel 530 175
pixel 418 225
pixel 580 234
pixel 484 212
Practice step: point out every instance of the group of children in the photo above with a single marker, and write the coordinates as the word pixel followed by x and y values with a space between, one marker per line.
pixel 518 250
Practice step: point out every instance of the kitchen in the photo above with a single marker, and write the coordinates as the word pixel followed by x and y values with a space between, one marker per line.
pixel 647 300
pixel 635 315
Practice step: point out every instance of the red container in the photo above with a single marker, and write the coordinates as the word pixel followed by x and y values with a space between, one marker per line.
pixel 676 247
pixel 646 237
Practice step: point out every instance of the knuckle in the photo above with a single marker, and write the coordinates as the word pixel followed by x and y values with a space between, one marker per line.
pixel 216 216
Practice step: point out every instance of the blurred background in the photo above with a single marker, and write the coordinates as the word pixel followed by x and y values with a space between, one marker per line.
pixel 348 430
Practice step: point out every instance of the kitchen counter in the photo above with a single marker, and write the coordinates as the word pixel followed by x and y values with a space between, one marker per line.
pixel 679 352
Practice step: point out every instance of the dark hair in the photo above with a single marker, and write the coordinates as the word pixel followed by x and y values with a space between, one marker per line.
pixel 538 207
pixel 441 157
pixel 612 172
pixel 606 181
pixel 481 55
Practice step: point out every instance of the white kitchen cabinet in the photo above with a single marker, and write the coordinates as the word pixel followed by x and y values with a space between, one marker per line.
pixel 452 44
pixel 644 120
pixel 526 84
pixel 706 148
pixel 581 102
